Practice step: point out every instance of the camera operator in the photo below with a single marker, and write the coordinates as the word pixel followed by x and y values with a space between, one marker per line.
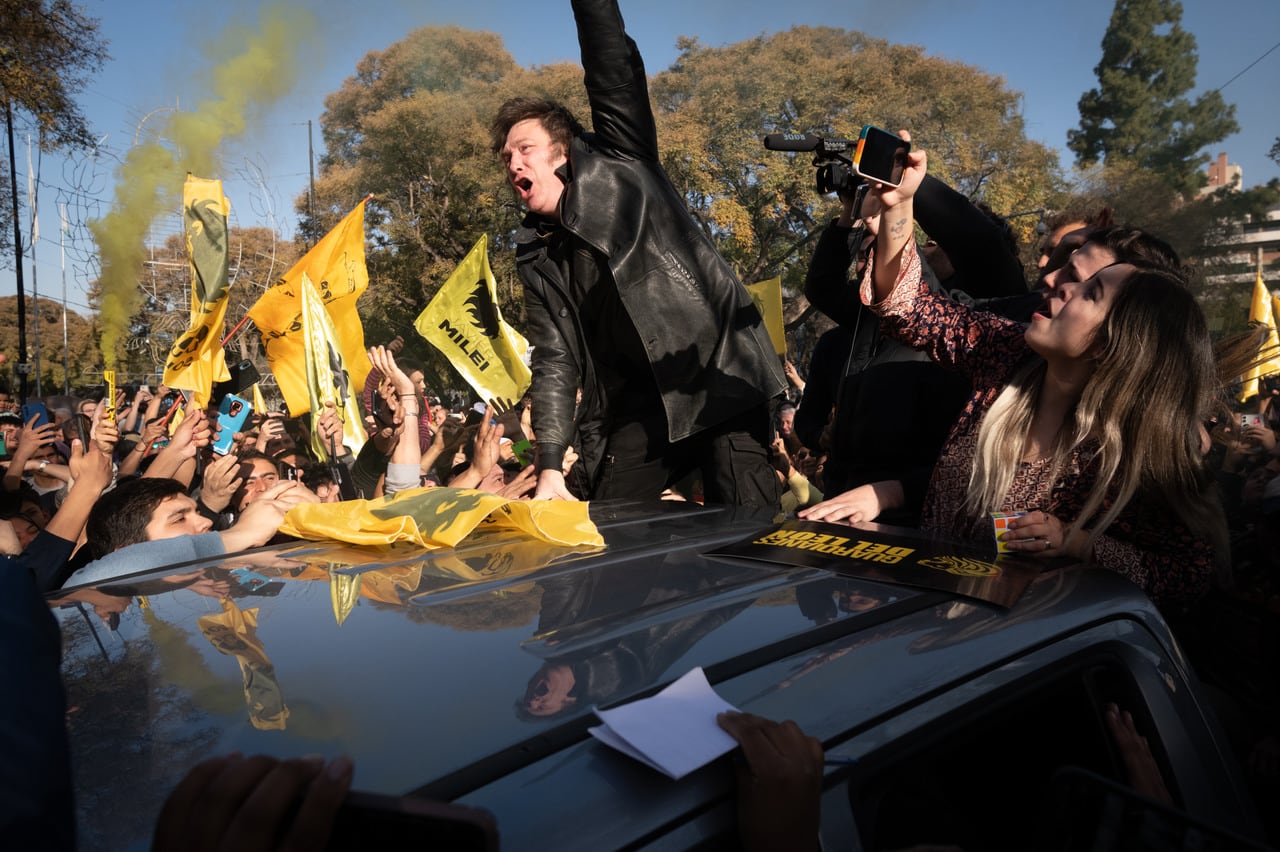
pixel 892 408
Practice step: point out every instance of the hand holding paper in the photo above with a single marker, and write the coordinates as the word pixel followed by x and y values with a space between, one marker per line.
pixel 675 731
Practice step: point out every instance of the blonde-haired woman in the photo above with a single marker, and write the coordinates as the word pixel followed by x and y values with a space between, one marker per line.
pixel 1089 419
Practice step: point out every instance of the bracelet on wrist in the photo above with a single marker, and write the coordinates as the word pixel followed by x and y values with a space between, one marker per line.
pixel 407 412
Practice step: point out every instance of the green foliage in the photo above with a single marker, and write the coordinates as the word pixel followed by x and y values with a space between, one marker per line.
pixel 48 48
pixel 1139 112
pixel 84 361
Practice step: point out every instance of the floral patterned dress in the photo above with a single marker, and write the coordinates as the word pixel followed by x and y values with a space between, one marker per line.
pixel 1150 546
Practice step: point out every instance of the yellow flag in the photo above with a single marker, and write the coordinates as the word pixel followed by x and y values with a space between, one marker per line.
pixel 259 404
pixel 768 298
pixel 1260 313
pixel 196 359
pixel 328 381
pixel 440 517
pixel 344 591
pixel 336 268
pixel 464 323
pixel 234 632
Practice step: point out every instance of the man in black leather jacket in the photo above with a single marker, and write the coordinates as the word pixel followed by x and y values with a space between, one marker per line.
pixel 628 301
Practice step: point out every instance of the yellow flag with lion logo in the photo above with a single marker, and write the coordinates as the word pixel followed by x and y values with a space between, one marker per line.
pixel 463 321
pixel 196 359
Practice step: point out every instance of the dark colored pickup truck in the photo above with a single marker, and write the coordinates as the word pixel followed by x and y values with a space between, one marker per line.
pixel 468 675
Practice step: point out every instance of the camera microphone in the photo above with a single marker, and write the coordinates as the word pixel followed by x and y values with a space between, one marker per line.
pixel 792 142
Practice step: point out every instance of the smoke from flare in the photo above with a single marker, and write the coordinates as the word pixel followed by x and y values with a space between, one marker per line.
pixel 261 66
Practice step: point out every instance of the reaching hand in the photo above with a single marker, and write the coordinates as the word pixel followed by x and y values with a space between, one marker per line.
pixel 1140 766
pixel 853 506
pixel 779 783
pixel 221 480
pixel 104 432
pixel 263 516
pixel 193 433
pixel 32 437
pixel 91 470
pixel 522 486
pixel 551 486
pixel 384 362
pixel 329 425
pixel 254 803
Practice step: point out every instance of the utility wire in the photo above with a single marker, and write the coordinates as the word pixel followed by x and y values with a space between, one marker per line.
pixel 1247 67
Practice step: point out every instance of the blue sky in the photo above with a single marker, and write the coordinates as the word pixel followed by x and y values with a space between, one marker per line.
pixel 1040 49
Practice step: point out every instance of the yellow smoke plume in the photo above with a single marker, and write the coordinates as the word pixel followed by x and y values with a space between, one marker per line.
pixel 259 66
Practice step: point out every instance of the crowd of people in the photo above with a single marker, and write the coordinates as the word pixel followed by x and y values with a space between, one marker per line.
pixel 1091 402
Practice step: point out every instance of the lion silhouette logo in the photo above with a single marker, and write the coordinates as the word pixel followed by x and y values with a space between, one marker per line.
pixel 483 312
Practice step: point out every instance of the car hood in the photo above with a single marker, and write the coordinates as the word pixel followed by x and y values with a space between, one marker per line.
pixel 437 671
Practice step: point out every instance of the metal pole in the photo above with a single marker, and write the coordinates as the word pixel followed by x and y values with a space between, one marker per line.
pixel 62 244
pixel 23 367
pixel 311 182
pixel 33 195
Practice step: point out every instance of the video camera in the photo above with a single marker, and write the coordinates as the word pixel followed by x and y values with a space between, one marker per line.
pixel 832 157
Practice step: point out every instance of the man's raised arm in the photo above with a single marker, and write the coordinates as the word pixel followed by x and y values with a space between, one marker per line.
pixel 615 79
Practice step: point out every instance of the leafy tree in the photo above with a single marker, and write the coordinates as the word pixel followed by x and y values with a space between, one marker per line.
pixel 48 49
pixel 760 206
pixel 1140 111
pixel 1206 231
pixel 84 361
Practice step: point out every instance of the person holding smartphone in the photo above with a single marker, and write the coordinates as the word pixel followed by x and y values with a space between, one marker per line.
pixel 628 301
pixel 1055 429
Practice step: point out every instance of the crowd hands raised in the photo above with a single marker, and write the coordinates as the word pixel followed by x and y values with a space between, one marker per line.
pixel 83 486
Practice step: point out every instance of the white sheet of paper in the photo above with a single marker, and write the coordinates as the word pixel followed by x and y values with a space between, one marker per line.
pixel 674 731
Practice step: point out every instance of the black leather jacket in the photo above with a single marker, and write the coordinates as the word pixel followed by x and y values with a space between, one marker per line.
pixel 705 341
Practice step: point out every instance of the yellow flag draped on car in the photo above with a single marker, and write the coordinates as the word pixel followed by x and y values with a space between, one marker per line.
pixel 464 323
pixel 1260 313
pixel 768 298
pixel 336 268
pixel 328 380
pixel 196 359
pixel 440 517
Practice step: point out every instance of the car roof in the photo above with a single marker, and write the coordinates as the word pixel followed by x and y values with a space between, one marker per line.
pixel 424 665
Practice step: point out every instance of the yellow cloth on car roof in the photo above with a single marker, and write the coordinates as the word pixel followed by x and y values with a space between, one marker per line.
pixel 440 517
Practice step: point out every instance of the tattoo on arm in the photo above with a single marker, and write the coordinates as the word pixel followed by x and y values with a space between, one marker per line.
pixel 898 228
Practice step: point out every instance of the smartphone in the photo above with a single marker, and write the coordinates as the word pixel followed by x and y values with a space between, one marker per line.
pixel 881 156
pixel 232 414
pixel 36 410
pixel 109 401
pixel 83 426
pixel 381 412
pixel 243 377
pixel 1247 420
